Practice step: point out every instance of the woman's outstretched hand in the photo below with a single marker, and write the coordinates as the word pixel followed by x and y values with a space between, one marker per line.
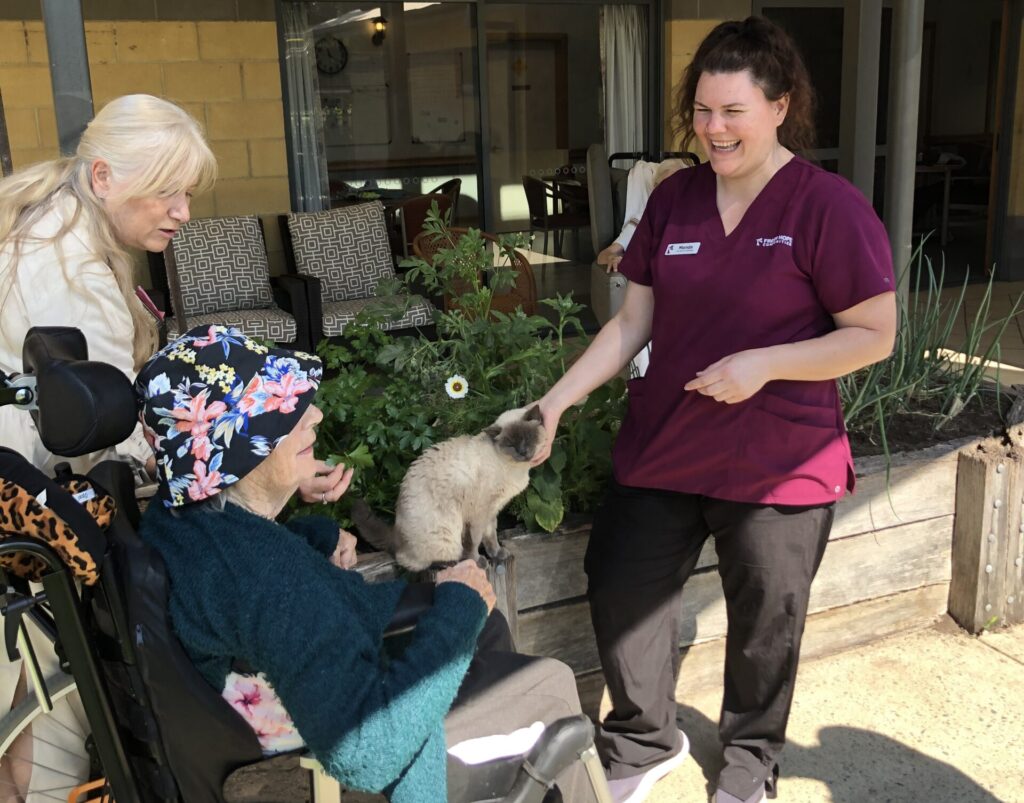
pixel 329 484
pixel 551 419
pixel 469 574
pixel 732 379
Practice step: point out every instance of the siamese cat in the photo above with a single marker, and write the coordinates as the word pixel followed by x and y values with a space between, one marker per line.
pixel 451 495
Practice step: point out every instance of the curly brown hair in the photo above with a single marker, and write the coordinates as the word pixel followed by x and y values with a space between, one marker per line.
pixel 771 56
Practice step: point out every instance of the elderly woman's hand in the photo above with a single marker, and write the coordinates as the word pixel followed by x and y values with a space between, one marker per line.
pixel 611 257
pixel 469 574
pixel 344 556
pixel 329 484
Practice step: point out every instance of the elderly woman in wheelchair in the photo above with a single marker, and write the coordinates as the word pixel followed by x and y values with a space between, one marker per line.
pixel 295 643
pixel 272 628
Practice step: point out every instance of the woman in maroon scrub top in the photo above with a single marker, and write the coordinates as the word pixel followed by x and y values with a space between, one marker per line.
pixel 761 278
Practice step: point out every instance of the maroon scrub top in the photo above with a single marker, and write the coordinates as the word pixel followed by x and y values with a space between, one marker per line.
pixel 809 246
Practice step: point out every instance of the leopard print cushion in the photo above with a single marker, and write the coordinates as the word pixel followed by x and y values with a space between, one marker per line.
pixel 22 514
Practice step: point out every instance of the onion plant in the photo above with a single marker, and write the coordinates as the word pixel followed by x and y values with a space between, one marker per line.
pixel 928 374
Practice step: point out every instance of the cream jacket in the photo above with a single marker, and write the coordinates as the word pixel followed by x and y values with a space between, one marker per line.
pixel 82 294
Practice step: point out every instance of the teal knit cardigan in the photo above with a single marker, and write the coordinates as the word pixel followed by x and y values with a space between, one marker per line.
pixel 248 589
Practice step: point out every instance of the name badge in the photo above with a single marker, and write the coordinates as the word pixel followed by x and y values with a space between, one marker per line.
pixel 678 249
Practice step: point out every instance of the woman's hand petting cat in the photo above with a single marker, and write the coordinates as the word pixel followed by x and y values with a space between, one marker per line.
pixel 732 379
pixel 329 484
pixel 344 556
pixel 551 419
pixel 469 574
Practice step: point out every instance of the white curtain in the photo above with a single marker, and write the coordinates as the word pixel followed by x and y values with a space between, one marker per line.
pixel 624 56
pixel 307 161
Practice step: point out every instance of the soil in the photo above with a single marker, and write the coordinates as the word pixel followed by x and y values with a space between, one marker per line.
pixel 916 430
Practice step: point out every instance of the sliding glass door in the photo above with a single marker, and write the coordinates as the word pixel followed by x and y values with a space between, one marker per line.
pixel 398 95
pixel 394 99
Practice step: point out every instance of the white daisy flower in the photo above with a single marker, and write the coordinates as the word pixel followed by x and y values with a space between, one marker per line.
pixel 456 386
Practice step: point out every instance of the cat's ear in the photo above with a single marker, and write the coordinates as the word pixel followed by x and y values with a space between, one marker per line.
pixel 493 431
pixel 534 414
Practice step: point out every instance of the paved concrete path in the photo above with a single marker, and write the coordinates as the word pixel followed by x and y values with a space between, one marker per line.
pixel 935 716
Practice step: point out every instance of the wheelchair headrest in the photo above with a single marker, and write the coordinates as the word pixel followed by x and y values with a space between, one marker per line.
pixel 83 406
pixel 68 514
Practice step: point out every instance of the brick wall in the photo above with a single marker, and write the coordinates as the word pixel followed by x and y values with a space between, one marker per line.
pixel 225 73
pixel 682 38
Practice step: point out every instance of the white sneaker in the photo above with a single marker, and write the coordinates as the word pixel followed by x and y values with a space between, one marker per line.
pixel 635 788
pixel 721 796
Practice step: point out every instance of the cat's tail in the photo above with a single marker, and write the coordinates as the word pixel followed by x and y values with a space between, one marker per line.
pixel 377 532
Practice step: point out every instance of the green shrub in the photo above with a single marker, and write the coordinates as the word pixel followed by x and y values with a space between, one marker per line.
pixel 924 376
pixel 385 398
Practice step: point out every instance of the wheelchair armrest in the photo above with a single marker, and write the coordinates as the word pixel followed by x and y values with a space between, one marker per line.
pixel 414 602
pixel 562 743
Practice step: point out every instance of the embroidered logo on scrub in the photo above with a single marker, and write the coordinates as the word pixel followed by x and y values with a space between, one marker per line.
pixel 679 249
pixel 780 239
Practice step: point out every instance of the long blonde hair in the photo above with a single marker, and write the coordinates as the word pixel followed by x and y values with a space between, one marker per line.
pixel 153 148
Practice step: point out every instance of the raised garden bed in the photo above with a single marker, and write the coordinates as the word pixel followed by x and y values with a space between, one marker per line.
pixel 887 570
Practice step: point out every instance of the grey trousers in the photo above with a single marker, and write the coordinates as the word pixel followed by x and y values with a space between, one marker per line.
pixel 505 690
pixel 643 547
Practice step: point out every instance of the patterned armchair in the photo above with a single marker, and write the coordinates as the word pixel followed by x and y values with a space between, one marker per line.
pixel 216 272
pixel 346 250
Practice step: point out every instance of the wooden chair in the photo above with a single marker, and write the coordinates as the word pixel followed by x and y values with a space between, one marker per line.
pixel 412 214
pixel 563 213
pixel 523 293
pixel 451 188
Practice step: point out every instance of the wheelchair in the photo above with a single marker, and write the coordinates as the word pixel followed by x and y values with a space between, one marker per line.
pixel 157 732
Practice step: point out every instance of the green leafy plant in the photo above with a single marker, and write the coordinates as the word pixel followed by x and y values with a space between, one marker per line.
pixel 923 376
pixel 388 397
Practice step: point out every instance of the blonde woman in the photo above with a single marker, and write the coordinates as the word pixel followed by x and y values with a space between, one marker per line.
pixel 66 227
pixel 66 230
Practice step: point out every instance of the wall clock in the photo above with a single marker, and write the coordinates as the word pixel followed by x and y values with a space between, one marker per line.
pixel 331 55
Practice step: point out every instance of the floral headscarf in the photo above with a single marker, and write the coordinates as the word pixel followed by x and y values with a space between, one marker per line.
pixel 215 403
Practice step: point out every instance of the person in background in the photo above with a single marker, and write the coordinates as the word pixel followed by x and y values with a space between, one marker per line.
pixel 640 183
pixel 67 229
pixel 643 177
pixel 762 279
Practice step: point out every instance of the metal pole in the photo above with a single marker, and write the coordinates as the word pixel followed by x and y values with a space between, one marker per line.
pixel 69 70
pixel 291 146
pixel 1004 250
pixel 655 79
pixel 904 93
pixel 6 167
pixel 862 38
pixel 485 174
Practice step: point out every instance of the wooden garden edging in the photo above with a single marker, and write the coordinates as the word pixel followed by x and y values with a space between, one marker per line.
pixel 887 569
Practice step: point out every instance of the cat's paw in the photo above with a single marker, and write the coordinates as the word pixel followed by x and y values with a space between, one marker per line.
pixel 501 555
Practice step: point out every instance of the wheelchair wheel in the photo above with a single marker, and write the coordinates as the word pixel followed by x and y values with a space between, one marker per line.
pixel 43 755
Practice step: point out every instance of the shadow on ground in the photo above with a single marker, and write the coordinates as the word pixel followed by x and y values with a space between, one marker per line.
pixel 856 765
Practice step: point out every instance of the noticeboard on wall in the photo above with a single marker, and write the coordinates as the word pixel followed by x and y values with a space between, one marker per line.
pixel 436 100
